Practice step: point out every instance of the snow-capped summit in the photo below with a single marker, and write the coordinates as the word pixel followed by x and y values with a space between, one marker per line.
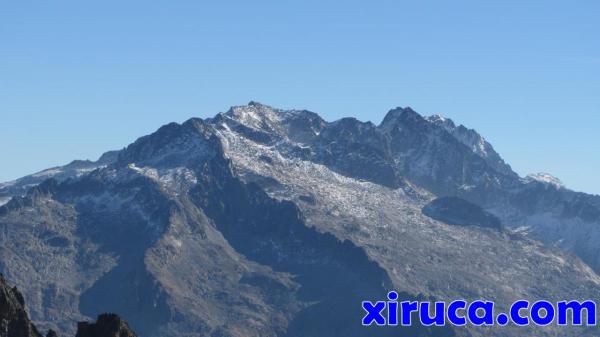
pixel 256 115
pixel 441 120
pixel 545 178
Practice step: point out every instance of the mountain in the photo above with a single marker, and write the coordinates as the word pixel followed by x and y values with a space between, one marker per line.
pixel 269 222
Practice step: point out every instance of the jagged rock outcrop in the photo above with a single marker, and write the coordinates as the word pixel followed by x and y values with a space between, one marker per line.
pixel 107 325
pixel 14 321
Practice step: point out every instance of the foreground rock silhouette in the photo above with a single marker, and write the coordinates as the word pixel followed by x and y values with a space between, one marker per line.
pixel 14 321
pixel 107 325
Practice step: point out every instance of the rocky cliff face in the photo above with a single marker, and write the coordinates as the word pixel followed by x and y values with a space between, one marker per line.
pixel 268 222
pixel 475 142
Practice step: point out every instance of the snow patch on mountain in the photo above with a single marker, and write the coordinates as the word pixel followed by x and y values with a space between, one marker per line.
pixel 7 184
pixel 545 178
pixel 175 180
pixel 256 116
pixel 74 169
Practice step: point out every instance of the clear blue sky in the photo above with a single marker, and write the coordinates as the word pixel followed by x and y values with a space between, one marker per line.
pixel 77 79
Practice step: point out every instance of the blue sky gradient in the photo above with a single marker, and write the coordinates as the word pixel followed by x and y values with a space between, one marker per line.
pixel 79 78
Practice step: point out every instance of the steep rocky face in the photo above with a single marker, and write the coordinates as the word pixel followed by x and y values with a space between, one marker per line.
pixel 334 275
pixel 269 222
pixel 357 149
pixel 14 321
pixel 454 161
pixel 431 157
pixel 475 142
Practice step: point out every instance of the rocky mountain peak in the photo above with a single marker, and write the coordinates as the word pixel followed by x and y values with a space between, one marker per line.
pixel 266 124
pixel 256 115
pixel 172 145
pixel 399 116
